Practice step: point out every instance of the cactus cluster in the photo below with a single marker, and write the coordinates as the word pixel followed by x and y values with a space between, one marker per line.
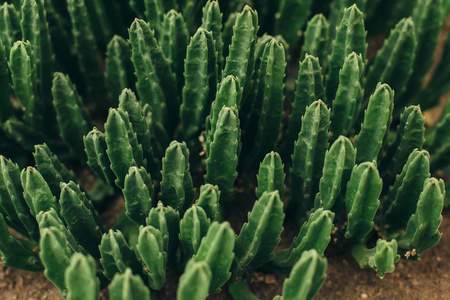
pixel 179 107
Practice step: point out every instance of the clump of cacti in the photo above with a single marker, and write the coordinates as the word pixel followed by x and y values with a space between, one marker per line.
pixel 192 100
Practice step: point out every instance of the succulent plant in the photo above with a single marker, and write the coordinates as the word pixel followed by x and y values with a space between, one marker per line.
pixel 178 114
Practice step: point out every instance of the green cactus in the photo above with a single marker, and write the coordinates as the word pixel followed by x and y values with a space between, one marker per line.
pixel 167 221
pixel 306 278
pixel 422 228
pixel 240 61
pixel 437 140
pixel 150 251
pixel 393 63
pixel 147 84
pixel 12 203
pixel 14 253
pixel 362 202
pixel 161 66
pixel 314 234
pixel 86 48
pixel 97 157
pixel 216 249
pixel 212 21
pixel 267 108
pixel 153 12
pixel 309 89
pixel 337 169
pixel 10 25
pixel 128 286
pixel 176 185
pixel 51 168
pixel 117 256
pixel 316 39
pixel 51 219
pixel 129 104
pixel 119 68
pixel 80 278
pixel 308 157
pixel 410 136
pixel 350 37
pixel 5 104
pixel 377 119
pixel 229 95
pixel 209 200
pixel 382 258
pixel 348 100
pixel 120 151
pixel 55 255
pixel 174 40
pixel 271 175
pixel 23 78
pixel 337 9
pixel 428 17
pixel 138 193
pixel 222 158
pixel 73 120
pixel 80 220
pixel 261 234
pixel 193 227
pixel 195 281
pixel 36 191
pixel 197 76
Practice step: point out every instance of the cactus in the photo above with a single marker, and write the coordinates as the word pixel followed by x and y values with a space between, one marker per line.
pixel 382 258
pixel 193 227
pixel 117 255
pixel 176 186
pixel 240 61
pixel 194 283
pixel 223 155
pixel 209 200
pixel 259 237
pixel 152 255
pixel 73 120
pixel 377 119
pixel 338 165
pixel 422 228
pixel 199 59
pixel 309 155
pixel 347 102
pixel 350 37
pixel 362 202
pixel 138 193
pixel 36 192
pixel 309 89
pixel 216 249
pixel 86 47
pixel 80 219
pixel 14 253
pixel 306 278
pixel 271 175
pixel 80 278
pixel 128 286
pixel 314 234
pixel 316 39
pixel 179 128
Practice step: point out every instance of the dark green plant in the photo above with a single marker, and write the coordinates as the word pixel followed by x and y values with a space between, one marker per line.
pixel 172 117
